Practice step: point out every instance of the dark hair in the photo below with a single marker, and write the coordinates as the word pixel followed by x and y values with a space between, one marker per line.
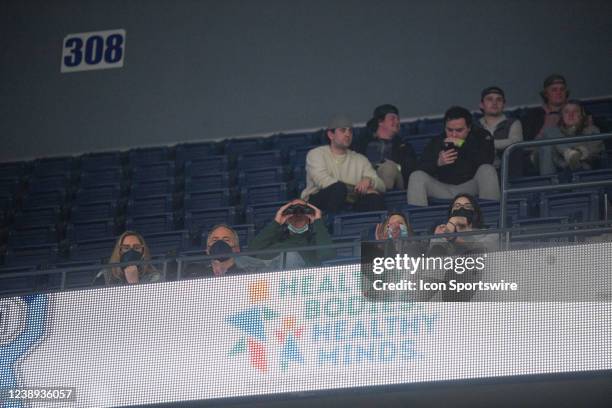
pixel 477 222
pixel 399 214
pixel 458 112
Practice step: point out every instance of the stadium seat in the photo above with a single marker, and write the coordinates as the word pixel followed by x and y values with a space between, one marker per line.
pixel 200 220
pixel 261 214
pixel 42 184
pixel 36 217
pixel 194 151
pixel 153 223
pixel 207 181
pixel 93 211
pixel 13 170
pixel 264 175
pixel 235 147
pixel 10 185
pixel 152 188
pixel 362 224
pixel 213 198
pixel 426 218
pixel 578 206
pixel 353 248
pixel 90 179
pixel 43 200
pixel 264 193
pixel 202 167
pixel 106 192
pixel 430 126
pixel 516 208
pixel 18 284
pixel 153 171
pixel 297 156
pixel 53 166
pixel 418 142
pixel 96 250
pixel 169 243
pixel 257 160
pixel 30 236
pixel 287 143
pixel 150 205
pixel 82 274
pixel 36 256
pixel 149 155
pixel 98 161
pixel 395 200
pixel 90 230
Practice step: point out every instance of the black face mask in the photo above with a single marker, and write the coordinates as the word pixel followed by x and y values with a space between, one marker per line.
pixel 464 212
pixel 131 256
pixel 220 248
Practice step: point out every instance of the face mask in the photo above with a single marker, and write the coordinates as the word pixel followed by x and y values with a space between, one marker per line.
pixel 463 212
pixel 296 230
pixel 403 232
pixel 131 256
pixel 220 248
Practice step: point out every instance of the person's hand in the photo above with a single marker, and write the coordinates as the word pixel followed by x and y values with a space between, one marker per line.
pixel 219 268
pixel 317 213
pixel 279 217
pixel 363 186
pixel 446 157
pixel 440 229
pixel 131 273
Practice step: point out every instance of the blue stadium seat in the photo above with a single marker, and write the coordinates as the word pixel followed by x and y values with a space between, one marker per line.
pixel 238 146
pixel 32 236
pixel 93 211
pixel 199 220
pixel 150 205
pixel 213 198
pixel 96 250
pixel 362 224
pixel 578 206
pixel 46 199
pixel 207 181
pixel 257 160
pixel 532 181
pixel 262 214
pixel 297 156
pixel 418 142
pixel 152 188
pixel 287 143
pixel 528 226
pixel 106 192
pixel 169 243
pixel 149 224
pixel 148 155
pixel 352 251
pixel 194 151
pixel 90 230
pixel 90 179
pixel 264 193
pixel 36 255
pixel 98 161
pixel 592 175
pixel 153 171
pixel 211 164
pixel 13 170
pixel 264 175
pixel 598 108
pixel 516 208
pixel 426 218
pixel 37 217
pixel 53 166
pixel 430 126
pixel 81 274
pixel 245 232
pixel 299 174
pixel 6 201
pixel 395 200
pixel 43 184
pixel 10 185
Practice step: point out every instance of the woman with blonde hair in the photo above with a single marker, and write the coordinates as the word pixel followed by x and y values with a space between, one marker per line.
pixel 130 247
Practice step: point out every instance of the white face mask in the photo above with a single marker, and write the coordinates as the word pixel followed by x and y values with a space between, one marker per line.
pixel 296 230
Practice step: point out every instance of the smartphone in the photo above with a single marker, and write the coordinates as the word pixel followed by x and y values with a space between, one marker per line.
pixel 449 146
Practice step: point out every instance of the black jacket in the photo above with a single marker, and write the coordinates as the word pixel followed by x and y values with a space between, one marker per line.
pixel 477 149
pixel 532 121
pixel 402 153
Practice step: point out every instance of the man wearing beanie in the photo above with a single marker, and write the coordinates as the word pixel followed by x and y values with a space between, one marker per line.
pixel 458 161
pixel 505 131
pixel 336 175
pixel 393 159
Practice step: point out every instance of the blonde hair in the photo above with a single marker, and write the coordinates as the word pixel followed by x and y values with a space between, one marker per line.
pixel 399 214
pixel 117 272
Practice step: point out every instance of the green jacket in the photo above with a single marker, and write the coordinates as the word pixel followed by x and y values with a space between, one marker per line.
pixel 276 236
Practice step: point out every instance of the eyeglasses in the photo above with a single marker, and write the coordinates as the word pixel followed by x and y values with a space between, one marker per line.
pixel 135 247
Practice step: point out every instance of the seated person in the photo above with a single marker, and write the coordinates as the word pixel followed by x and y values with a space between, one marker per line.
pixel 394 230
pixel 459 161
pixel 575 156
pixel 393 159
pixel 130 247
pixel 221 241
pixel 464 214
pixel 336 175
pixel 296 224
pixel 504 130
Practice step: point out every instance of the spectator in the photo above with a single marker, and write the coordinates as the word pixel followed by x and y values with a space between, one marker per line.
pixel 396 226
pixel 575 156
pixel 296 224
pixel 505 131
pixel 536 120
pixel 130 247
pixel 458 162
pixel 336 175
pixel 221 241
pixel 393 159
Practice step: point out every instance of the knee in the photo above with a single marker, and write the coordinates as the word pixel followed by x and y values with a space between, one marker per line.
pixel 338 189
pixel 418 176
pixel 486 170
